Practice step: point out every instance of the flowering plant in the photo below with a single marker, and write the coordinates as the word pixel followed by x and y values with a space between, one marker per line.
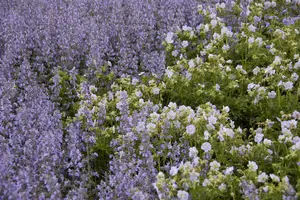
pixel 204 105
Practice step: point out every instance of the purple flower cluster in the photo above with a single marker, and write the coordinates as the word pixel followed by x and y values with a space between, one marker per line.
pixel 84 34
pixel 31 145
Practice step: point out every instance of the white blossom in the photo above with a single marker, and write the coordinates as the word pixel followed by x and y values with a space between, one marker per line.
pixel 191 129
pixel 169 37
pixel 258 137
pixel 182 195
pixel 193 152
pixel 263 177
pixel 252 28
pixel 274 178
pixel 185 43
pixel 252 166
pixel 155 91
pixel 228 170
pixel 272 94
pixel 206 147
pixel 214 166
pixel 173 171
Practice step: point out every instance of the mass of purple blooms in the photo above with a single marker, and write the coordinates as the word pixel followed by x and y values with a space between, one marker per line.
pixel 57 138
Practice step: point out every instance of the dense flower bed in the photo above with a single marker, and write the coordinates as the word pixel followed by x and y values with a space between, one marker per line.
pixel 150 99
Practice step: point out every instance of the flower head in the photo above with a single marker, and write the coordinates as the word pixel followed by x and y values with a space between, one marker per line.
pixel 182 195
pixel 191 129
pixel 206 147
pixel 252 166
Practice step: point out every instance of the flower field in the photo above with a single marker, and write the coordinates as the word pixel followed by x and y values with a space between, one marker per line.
pixel 150 99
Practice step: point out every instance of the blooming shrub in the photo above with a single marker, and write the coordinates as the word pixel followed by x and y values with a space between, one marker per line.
pixel 149 100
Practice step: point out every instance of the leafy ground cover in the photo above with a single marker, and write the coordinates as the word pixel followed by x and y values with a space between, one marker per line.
pixel 197 101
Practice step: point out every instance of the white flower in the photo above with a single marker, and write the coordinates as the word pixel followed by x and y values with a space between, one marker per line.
pixel 256 70
pixel 173 171
pixel 212 120
pixel 186 28
pixel 252 166
pixel 206 135
pixel 169 73
pixel 138 93
pixel 92 88
pixel 297 65
pixel 172 105
pixel 226 47
pixel 225 31
pixel 140 126
pixel 216 36
pixel 206 182
pixel 263 177
pixel 213 15
pixel 251 86
pixel 206 28
pixel 277 60
pixel 267 142
pixel 222 5
pixel 193 152
pixel 177 124
pixel 258 130
pixel 222 187
pixel 295 76
pixel 154 116
pixel 226 109
pixel 251 40
pixel 240 69
pixel 270 123
pixel 194 176
pixel 214 166
pixel 186 167
pixel 94 97
pixel 259 41
pixel 217 87
pixel 274 178
pixel 200 7
pixel 252 28
pixel 272 94
pixel 155 90
pixel 206 147
pixel 229 170
pixel 169 37
pixel 182 195
pixel 269 71
pixel 229 132
pixel 171 115
pixel 288 85
pixel 175 53
pixel 191 64
pixel 141 102
pixel 188 75
pixel 266 189
pixel 196 161
pixel 258 137
pixel 296 115
pixel 185 43
pixel 151 127
pixel 135 81
pixel 214 23
pixel 191 129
